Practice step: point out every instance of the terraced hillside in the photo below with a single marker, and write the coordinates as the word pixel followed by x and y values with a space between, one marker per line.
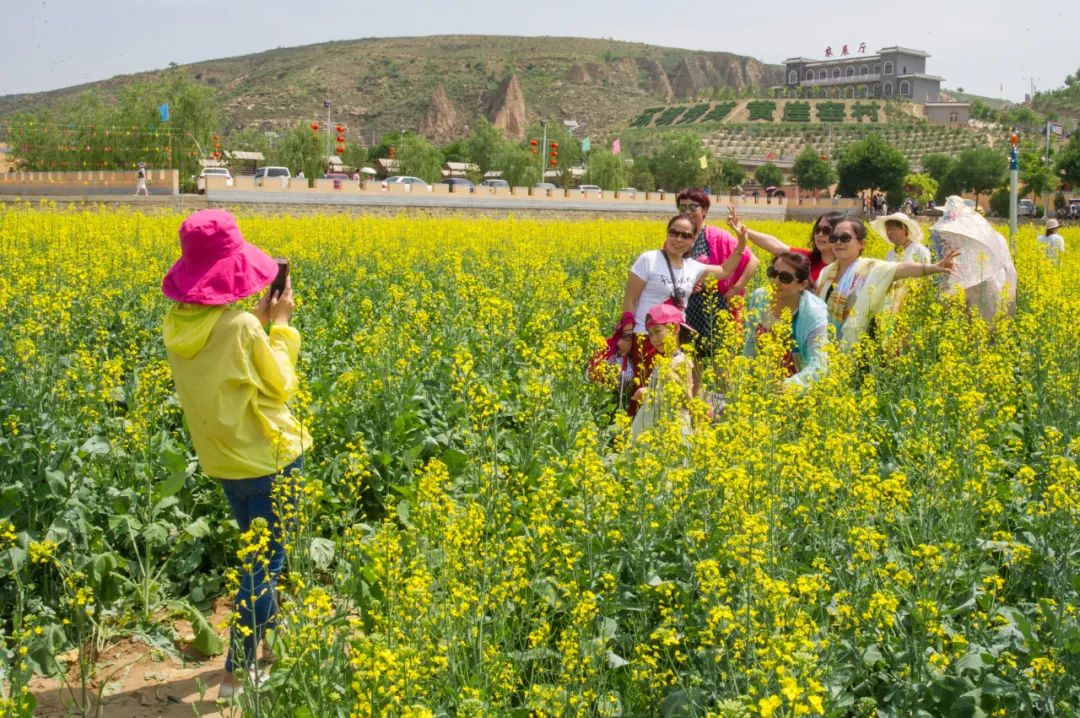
pixel 782 143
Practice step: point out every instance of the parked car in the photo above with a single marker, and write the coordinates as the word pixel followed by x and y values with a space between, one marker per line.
pixel 1025 208
pixel 591 189
pixel 459 184
pixel 495 183
pixel 410 182
pixel 1074 209
pixel 263 173
pixel 631 191
pixel 337 176
pixel 213 172
pixel 544 185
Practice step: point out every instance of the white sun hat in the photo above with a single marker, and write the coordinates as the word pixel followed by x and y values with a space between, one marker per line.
pixel 914 231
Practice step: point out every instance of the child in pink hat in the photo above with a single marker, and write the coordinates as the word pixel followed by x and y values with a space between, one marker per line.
pixel 668 331
pixel 234 379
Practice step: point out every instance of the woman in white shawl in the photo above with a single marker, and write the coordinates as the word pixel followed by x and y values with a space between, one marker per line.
pixel 855 288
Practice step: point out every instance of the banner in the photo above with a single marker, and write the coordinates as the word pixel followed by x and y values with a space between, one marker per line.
pixel 163 110
pixel 616 147
pixel 704 162
pixel 585 145
pixel 1055 128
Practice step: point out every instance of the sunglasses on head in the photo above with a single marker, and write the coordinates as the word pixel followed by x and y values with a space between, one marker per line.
pixel 841 238
pixel 626 335
pixel 784 277
pixel 672 232
pixel 823 229
pixel 687 208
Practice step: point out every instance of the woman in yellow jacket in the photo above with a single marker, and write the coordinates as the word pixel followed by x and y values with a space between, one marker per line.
pixel 234 378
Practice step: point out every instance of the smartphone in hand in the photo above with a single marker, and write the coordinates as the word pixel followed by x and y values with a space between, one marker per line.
pixel 277 287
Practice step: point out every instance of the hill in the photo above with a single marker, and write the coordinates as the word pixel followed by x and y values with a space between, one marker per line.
pixel 441 84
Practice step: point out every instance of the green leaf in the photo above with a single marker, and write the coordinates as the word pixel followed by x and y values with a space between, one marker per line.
pixel 206 640
pixel 615 660
pixel 171 485
pixel 303 712
pixel 198 528
pixel 455 461
pixel 95 446
pixel 321 551
pixel 403 513
pixel 871 655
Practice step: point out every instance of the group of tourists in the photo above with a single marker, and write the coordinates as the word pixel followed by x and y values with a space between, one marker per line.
pixel 670 293
pixel 234 370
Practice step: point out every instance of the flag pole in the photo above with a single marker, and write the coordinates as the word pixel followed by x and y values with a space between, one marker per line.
pixel 1014 170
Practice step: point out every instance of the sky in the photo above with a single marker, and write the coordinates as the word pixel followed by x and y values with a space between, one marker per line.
pixel 992 47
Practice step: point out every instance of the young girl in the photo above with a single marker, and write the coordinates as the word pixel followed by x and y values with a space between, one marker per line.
pixel 613 366
pixel 668 331
pixel 234 378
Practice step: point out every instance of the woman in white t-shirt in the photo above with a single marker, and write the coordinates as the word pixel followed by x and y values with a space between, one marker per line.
pixel 660 275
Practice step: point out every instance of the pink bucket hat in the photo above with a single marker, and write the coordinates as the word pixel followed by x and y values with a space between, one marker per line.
pixel 216 265
pixel 666 314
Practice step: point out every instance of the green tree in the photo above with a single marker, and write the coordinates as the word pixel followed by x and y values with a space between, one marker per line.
pixel 641 175
pixel 90 133
pixel 417 157
pixel 570 153
pixel 768 175
pixel 301 150
pixel 937 166
pixel 725 174
pixel 518 165
pixel 354 156
pixel 871 164
pixel 1067 166
pixel 675 163
pixel 920 186
pixel 812 172
pixel 605 169
pixel 484 143
pixel 456 151
pixel 999 201
pixel 978 170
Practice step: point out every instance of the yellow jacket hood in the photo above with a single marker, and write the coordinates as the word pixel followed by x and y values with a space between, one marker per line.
pixel 188 326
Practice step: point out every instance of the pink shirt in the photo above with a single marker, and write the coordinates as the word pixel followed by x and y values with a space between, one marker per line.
pixel 721 245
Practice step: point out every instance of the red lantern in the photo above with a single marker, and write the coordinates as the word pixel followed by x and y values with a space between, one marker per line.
pixel 314 126
pixel 341 138
pixel 340 149
pixel 1014 139
pixel 390 151
pixel 534 144
pixel 340 129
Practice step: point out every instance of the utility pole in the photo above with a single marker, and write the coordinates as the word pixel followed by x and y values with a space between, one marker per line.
pixel 543 150
pixel 1046 196
pixel 1014 172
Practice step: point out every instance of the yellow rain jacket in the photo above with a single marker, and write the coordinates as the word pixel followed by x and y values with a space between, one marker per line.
pixel 233 381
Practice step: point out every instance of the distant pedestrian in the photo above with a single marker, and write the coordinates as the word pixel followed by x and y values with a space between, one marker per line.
pixel 1052 242
pixel 140 181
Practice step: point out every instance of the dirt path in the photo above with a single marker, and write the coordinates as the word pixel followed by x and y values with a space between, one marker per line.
pixel 137 682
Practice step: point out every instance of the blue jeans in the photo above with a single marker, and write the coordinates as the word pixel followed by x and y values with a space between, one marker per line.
pixel 256 600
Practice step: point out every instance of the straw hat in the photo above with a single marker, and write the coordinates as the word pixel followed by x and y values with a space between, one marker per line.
pixel 914 231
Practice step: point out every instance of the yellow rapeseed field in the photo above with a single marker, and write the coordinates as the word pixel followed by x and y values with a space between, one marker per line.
pixel 476 538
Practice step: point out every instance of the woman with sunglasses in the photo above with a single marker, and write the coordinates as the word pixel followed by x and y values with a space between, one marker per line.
pixel 668 275
pixel 712 245
pixel 792 292
pixel 855 288
pixel 819 253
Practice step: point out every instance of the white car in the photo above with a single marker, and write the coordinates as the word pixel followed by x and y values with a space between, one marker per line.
pixel 1025 208
pixel 263 173
pixel 587 189
pixel 410 183
pixel 213 172
pixel 495 183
